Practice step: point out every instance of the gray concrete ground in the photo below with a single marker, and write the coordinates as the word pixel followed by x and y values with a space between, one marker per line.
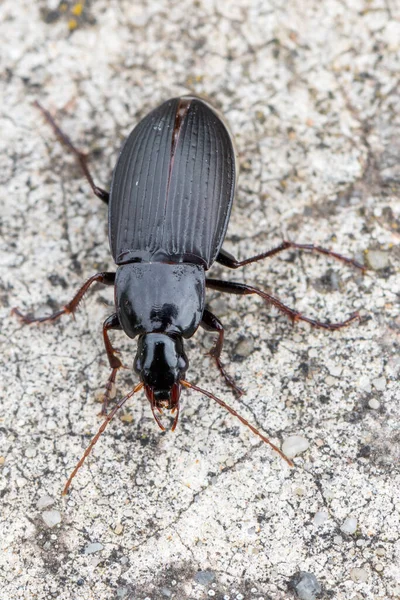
pixel 311 90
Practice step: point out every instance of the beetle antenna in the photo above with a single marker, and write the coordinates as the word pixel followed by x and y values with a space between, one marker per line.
pixel 235 414
pixel 98 434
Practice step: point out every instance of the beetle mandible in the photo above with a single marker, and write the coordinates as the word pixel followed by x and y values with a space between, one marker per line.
pixel 169 206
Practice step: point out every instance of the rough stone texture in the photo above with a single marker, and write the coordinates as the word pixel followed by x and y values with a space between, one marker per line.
pixel 311 90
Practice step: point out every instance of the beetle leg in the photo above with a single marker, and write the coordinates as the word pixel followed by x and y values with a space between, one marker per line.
pixel 70 308
pixel 226 259
pixel 111 322
pixel 244 290
pixel 80 156
pixel 210 322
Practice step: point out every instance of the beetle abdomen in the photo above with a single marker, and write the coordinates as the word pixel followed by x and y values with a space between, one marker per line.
pixel 173 186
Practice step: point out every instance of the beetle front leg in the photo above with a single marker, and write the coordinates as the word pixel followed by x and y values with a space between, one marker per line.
pixel 70 308
pixel 80 156
pixel 242 289
pixel 227 260
pixel 211 323
pixel 111 322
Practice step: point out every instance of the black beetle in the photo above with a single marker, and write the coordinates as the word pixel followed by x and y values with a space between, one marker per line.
pixel 169 205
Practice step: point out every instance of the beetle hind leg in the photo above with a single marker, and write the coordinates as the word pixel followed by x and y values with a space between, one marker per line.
pixel 81 157
pixel 210 322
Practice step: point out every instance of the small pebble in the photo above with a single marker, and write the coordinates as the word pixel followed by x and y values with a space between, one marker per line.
pixel 2 460
pixel 51 517
pixel 44 501
pixel 337 539
pixel 377 259
pixel 380 552
pixel 204 577
pixel 374 404
pixel 118 529
pixel 359 575
pixel 166 592
pixel 30 452
pixel 379 567
pixel 94 561
pixel 364 383
pixel 245 347
pixel 335 370
pixel 294 445
pixel 127 418
pixel 379 384
pixel 306 586
pixel 320 517
pixel 94 547
pixel 349 525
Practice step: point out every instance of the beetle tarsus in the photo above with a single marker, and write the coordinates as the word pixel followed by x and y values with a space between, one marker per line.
pixel 211 323
pixel 112 322
pixel 29 319
pixel 229 380
pixel 109 392
pixel 71 307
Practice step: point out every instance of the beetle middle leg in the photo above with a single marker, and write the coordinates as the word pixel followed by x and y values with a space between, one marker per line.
pixel 211 323
pixel 111 322
pixel 242 289
pixel 80 156
pixel 227 260
pixel 104 277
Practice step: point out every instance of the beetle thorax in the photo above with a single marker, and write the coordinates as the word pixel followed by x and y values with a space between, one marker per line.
pixel 160 298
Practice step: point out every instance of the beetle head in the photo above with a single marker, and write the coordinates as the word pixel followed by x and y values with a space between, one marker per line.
pixel 161 363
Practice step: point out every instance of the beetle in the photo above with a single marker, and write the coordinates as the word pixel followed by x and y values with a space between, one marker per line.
pixel 169 205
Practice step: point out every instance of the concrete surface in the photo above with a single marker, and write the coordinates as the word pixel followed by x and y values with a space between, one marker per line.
pixel 311 90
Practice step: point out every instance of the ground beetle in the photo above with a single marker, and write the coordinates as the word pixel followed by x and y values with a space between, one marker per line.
pixel 169 205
